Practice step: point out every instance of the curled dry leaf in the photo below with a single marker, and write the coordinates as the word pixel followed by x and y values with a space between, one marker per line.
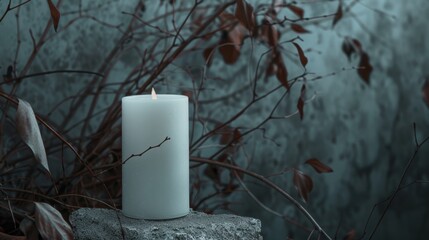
pixel 347 48
pixel 318 165
pixel 281 70
pixel 229 46
pixel 213 172
pixel 269 33
pixel 50 223
pixel 300 104
pixel 208 55
pixel 232 37
pixel 298 28
pixel 229 188
pixel 229 135
pixel 244 13
pixel 297 10
pixel 55 14
pixel 351 46
pixel 338 14
pixel 29 131
pixel 365 67
pixel 303 184
pixel 302 58
pixel 8 77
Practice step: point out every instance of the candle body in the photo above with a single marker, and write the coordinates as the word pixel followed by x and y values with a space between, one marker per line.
pixel 156 184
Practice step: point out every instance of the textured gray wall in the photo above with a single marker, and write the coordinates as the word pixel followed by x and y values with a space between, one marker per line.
pixel 364 132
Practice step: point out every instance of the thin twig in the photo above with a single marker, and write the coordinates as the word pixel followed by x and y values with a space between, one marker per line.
pixel 270 184
pixel 398 187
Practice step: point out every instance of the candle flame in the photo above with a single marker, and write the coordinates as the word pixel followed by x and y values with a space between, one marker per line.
pixel 154 94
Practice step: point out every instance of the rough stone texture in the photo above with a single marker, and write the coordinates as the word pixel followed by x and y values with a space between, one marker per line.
pixel 91 223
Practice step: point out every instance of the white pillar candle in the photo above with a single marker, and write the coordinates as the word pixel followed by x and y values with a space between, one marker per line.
pixel 156 184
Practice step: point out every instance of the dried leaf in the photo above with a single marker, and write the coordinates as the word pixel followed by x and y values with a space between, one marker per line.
pixel 229 52
pixel 338 14
pixel 297 10
pixel 229 188
pixel 425 91
pixel 213 173
pixel 303 184
pixel 298 28
pixel 55 14
pixel 208 55
pixel 300 104
pixel 318 165
pixel 301 54
pixel 351 46
pixel 282 73
pixel 244 13
pixel 365 67
pixel 269 33
pixel 237 135
pixel 9 74
pixel 50 223
pixel 229 135
pixel 357 44
pixel 188 93
pixel 30 133
pixel 348 48
pixel 351 235
pixel 228 21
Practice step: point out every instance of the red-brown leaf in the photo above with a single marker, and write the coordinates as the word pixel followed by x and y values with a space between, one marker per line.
pixel 50 223
pixel 338 14
pixel 365 67
pixel 348 48
pixel 229 188
pixel 282 73
pixel 298 28
pixel 425 91
pixel 351 46
pixel 229 135
pixel 229 46
pixel 300 104
pixel 237 135
pixel 297 10
pixel 301 55
pixel 213 173
pixel 318 165
pixel 55 14
pixel 303 184
pixel 357 44
pixel 269 33
pixel 244 13
pixel 208 55
pixel 188 93
pixel 351 235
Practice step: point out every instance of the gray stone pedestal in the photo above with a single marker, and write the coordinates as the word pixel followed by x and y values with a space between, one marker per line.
pixel 89 223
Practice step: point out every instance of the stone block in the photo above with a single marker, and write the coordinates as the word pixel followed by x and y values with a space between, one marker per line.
pixel 91 223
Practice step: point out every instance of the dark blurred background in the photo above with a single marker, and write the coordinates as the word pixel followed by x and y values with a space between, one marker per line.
pixel 363 131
